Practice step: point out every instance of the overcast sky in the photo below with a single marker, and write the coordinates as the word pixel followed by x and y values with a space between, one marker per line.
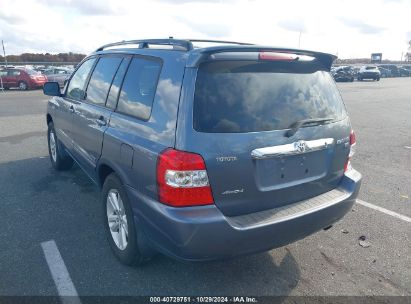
pixel 348 28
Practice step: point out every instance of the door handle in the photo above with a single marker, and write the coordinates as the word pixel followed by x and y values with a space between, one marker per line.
pixel 101 121
pixel 71 109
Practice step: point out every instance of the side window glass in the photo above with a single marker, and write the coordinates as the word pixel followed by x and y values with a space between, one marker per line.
pixel 115 86
pixel 139 88
pixel 14 73
pixel 77 83
pixel 101 79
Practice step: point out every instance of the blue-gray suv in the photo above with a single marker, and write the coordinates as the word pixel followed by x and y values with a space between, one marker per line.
pixel 205 153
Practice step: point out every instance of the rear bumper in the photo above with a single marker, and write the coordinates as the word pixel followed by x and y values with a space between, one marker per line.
pixel 369 75
pixel 37 84
pixel 204 233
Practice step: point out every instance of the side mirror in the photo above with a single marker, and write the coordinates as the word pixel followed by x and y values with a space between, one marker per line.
pixel 51 88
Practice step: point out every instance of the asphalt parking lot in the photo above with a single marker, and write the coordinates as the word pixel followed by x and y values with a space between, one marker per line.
pixel 39 205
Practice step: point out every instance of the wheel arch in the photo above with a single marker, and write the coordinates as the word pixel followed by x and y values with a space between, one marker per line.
pixel 105 168
pixel 25 82
pixel 49 119
pixel 103 171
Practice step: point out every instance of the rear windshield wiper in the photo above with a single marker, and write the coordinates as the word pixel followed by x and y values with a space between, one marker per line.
pixel 293 128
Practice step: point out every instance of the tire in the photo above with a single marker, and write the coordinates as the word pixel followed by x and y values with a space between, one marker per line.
pixel 23 86
pixel 378 79
pixel 59 158
pixel 352 79
pixel 128 243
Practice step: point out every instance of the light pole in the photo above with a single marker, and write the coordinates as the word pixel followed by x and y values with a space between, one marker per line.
pixel 4 53
pixel 5 60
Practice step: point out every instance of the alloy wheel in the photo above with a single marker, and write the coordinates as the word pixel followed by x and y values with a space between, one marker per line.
pixel 117 219
pixel 22 86
pixel 53 146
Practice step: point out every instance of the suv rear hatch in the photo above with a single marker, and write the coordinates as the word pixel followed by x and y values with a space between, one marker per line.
pixel 271 127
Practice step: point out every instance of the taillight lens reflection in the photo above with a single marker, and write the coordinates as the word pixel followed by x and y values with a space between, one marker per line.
pixel 353 142
pixel 182 179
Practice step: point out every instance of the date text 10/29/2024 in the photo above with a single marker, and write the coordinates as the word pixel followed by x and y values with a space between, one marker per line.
pixel 203 299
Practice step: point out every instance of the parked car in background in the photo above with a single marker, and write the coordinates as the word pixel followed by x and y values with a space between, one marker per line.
pixel 40 69
pixel 59 75
pixel 404 72
pixel 355 70
pixel 385 73
pixel 197 171
pixel 343 73
pixel 369 72
pixel 22 78
pixel 393 68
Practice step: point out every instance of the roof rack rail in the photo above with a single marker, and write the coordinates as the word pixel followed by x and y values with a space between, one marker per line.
pixel 179 44
pixel 176 43
pixel 219 41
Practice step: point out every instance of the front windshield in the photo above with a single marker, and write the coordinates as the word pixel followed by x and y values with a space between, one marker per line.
pixel 32 72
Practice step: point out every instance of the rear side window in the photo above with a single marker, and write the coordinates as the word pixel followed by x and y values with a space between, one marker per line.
pixel 139 88
pixel 101 79
pixel 77 83
pixel 14 73
pixel 115 86
pixel 251 96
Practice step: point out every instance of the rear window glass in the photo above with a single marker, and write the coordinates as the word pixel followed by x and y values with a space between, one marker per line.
pixel 250 96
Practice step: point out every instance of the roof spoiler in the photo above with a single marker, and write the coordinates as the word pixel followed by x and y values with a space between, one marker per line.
pixel 200 55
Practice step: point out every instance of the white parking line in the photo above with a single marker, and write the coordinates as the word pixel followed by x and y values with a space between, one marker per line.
pixel 61 277
pixel 386 211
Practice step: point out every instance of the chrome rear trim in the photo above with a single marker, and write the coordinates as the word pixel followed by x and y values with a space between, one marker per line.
pixel 297 147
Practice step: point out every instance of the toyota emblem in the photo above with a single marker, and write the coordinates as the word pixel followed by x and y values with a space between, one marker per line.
pixel 300 146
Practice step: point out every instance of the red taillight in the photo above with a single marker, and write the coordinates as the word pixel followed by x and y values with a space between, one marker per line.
pixel 352 151
pixel 182 179
pixel 276 56
pixel 352 138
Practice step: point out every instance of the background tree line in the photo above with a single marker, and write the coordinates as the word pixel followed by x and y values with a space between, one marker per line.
pixel 47 57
